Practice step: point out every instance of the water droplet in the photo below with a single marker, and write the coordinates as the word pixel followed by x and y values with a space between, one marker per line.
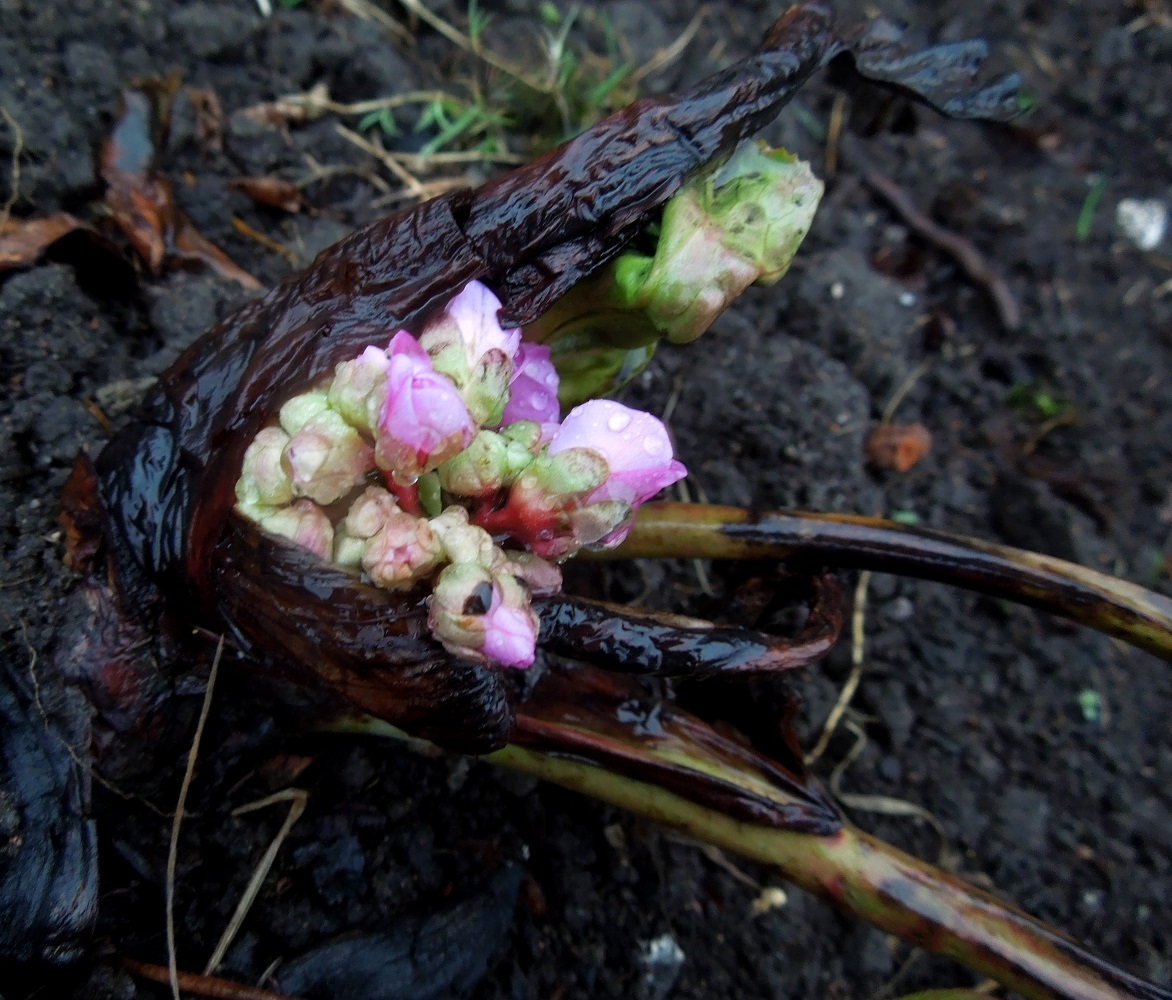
pixel 539 400
pixel 652 445
pixel 618 422
pixel 551 379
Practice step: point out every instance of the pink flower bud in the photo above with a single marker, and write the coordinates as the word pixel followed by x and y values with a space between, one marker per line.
pixel 360 388
pixel 304 524
pixel 466 343
pixel 424 421
pixel 510 625
pixel 636 448
pixel 263 480
pixel 483 616
pixel 533 392
pixel 327 458
pixel 404 551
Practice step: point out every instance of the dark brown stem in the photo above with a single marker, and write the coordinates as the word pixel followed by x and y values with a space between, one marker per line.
pixel 1099 601
pixel 636 641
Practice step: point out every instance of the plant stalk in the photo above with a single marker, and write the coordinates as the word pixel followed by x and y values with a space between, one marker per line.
pixel 873 881
pixel 703 531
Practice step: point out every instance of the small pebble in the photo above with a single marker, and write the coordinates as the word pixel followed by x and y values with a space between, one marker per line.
pixel 661 958
pixel 1143 221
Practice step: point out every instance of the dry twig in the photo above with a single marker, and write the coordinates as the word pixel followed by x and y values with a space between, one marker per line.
pixel 297 798
pixel 17 149
pixel 967 256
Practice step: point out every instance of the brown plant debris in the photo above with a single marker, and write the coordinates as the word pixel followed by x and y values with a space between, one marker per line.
pixel 898 446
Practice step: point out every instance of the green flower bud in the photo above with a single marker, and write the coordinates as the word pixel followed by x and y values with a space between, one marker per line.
pixel 263 480
pixel 721 233
pixel 326 457
pixel 490 463
pixel 304 523
pixel 297 411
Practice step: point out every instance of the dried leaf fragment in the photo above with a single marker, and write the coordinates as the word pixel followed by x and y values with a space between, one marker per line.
pixel 22 241
pixel 898 446
pixel 272 192
pixel 142 200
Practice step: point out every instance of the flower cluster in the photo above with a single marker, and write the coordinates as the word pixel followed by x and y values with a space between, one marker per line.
pixel 427 460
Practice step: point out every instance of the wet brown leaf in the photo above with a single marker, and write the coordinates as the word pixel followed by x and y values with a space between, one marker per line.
pixel 191 246
pixel 898 446
pixel 142 201
pixel 272 192
pixel 22 241
pixel 82 516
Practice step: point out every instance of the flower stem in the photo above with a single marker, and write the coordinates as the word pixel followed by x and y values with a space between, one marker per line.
pixel 871 880
pixel 1097 600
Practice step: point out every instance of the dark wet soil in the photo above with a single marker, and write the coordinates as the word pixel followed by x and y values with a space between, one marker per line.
pixel 1042 750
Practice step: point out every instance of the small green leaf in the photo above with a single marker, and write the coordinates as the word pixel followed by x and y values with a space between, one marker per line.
pixel 1086 215
pixel 384 119
pixel 549 13
pixel 1090 702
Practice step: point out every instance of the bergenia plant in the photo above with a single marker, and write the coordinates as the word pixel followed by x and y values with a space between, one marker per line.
pixel 367 479
pixel 468 414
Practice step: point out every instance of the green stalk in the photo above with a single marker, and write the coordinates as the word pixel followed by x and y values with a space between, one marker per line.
pixel 870 880
pixel 1097 600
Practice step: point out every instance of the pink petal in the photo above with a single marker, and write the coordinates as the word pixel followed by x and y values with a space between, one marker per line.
pixel 533 392
pixel 424 420
pixel 474 310
pixel 509 636
pixel 635 445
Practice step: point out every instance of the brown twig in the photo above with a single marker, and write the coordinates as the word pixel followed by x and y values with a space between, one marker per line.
pixel 834 132
pixel 967 256
pixel 203 986
pixel 244 229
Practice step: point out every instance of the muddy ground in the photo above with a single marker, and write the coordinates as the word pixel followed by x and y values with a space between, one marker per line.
pixel 1041 749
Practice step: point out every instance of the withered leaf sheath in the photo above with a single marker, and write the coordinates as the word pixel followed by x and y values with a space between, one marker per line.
pixel 167 481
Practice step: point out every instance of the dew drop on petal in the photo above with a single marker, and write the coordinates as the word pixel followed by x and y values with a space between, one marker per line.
pixel 539 400
pixel 618 422
pixel 653 445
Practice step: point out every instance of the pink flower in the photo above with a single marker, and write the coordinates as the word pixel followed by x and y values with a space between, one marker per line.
pixel 466 343
pixel 533 392
pixel 424 422
pixel 473 314
pixel 636 447
pixel 483 615
pixel 510 637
